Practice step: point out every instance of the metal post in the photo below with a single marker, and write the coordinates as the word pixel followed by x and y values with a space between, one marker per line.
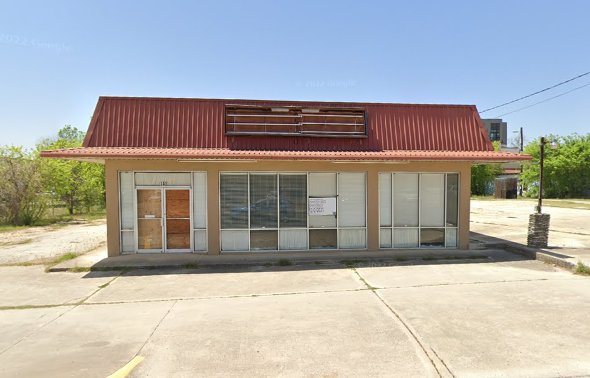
pixel 541 162
pixel 521 150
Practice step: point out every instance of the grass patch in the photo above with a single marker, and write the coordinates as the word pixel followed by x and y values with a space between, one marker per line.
pixel 351 263
pixel 401 258
pixel 430 258
pixel 64 257
pixel 85 269
pixel 79 269
pixel 103 286
pixel 582 269
pixel 58 221
pixel 569 203
pixel 281 262
pixel 318 262
pixel 284 262
pixel 190 266
pixel 454 257
pixel 24 241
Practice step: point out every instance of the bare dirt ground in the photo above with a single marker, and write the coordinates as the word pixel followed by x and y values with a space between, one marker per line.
pixel 43 244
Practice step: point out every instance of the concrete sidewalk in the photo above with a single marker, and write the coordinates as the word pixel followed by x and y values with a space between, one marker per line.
pixel 98 259
pixel 486 318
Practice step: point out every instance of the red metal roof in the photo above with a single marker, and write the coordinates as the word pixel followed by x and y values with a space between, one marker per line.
pixel 102 153
pixel 168 128
pixel 199 123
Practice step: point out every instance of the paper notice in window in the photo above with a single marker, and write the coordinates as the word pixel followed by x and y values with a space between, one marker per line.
pixel 150 216
pixel 322 206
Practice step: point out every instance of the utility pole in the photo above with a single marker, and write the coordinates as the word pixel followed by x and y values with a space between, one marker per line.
pixel 521 149
pixel 541 162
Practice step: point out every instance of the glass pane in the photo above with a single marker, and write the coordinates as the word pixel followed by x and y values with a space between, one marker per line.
pixel 322 185
pixel 178 233
pixel 200 240
pixel 405 238
pixel 293 239
pixel 352 199
pixel 126 200
pixel 200 199
pixel 451 238
pixel 385 238
pixel 234 240
pixel 432 237
pixel 323 239
pixel 432 199
pixel 264 240
pixel 293 200
pixel 405 199
pixel 385 200
pixel 233 197
pixel 353 239
pixel 149 233
pixel 452 199
pixel 127 241
pixel 263 201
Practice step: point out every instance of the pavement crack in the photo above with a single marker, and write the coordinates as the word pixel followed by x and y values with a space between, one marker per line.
pixel 37 330
pixel 99 289
pixel 406 326
pixel 155 328
pixel 463 283
pixel 443 362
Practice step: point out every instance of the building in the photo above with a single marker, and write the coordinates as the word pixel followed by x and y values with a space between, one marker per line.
pixel 234 176
pixel 497 130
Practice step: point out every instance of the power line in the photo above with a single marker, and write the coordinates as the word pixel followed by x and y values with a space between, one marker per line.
pixel 540 102
pixel 541 91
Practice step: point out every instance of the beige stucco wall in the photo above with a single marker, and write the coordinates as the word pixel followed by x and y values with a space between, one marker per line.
pixel 213 169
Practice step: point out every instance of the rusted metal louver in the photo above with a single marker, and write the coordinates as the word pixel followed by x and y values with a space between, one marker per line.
pixel 295 121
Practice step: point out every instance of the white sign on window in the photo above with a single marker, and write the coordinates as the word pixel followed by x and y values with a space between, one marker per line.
pixel 322 206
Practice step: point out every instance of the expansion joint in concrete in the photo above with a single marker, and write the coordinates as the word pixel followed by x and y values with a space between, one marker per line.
pixel 425 354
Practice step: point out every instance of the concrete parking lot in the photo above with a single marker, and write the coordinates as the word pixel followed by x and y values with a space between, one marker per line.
pixel 498 316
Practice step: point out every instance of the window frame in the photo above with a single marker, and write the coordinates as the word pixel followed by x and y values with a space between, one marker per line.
pixel 419 227
pixel 307 228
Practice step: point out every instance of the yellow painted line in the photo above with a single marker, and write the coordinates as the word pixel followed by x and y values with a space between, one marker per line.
pixel 125 370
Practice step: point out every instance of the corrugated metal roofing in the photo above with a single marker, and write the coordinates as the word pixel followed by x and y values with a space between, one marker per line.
pixel 103 153
pixel 199 123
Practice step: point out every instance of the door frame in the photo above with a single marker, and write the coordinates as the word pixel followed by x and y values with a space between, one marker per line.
pixel 163 189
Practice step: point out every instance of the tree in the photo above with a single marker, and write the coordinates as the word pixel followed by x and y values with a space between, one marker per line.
pixel 566 169
pixel 22 201
pixel 482 175
pixel 78 184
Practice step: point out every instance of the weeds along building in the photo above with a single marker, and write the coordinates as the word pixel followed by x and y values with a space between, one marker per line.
pixel 249 176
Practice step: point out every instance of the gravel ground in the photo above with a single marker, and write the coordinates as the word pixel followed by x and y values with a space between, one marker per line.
pixel 42 244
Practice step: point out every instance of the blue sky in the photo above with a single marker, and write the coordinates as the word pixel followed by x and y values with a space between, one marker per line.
pixel 59 56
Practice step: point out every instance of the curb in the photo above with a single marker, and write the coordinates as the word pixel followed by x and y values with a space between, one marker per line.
pixel 534 254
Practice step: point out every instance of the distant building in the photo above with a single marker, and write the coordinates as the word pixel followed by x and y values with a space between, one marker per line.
pixel 497 130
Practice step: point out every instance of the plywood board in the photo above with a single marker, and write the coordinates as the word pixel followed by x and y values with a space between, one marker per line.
pixel 149 203
pixel 178 204
pixel 178 234
pixel 149 234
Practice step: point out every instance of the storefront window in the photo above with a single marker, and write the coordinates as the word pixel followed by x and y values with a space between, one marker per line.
pixel 418 210
pixel 271 211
